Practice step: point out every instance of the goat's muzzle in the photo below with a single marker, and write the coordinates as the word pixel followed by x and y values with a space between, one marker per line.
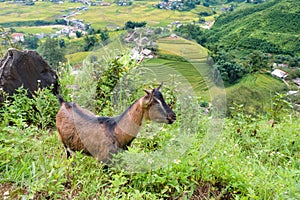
pixel 171 118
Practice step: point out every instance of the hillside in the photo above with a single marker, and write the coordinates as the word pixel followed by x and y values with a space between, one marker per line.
pixel 272 27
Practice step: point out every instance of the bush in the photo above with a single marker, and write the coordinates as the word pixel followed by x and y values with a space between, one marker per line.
pixel 21 111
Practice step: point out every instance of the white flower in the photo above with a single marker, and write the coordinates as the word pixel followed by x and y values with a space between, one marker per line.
pixel 150 160
pixel 38 81
pixel 177 161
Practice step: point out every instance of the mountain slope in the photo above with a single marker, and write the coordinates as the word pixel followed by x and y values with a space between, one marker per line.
pixel 272 27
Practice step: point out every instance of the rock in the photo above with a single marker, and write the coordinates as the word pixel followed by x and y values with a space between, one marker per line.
pixel 28 69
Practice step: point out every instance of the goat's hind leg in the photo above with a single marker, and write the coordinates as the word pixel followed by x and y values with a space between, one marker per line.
pixel 68 151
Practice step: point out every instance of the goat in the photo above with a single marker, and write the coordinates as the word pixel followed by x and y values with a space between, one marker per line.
pixel 81 130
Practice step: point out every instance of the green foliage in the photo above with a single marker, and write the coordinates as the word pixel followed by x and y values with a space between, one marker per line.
pixel 254 92
pixel 279 106
pixel 190 32
pixel 20 111
pixel 51 52
pixel 16 109
pixel 33 23
pixel 250 38
pixel 45 105
pixel 31 41
pixel 111 75
pixel 6 42
pixel 229 70
pixel 250 160
pixel 249 98
pixel 132 25
pixel 78 34
pixel 90 42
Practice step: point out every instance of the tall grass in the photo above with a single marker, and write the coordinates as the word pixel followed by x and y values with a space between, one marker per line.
pixel 252 159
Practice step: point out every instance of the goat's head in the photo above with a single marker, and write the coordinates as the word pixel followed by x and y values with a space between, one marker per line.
pixel 156 108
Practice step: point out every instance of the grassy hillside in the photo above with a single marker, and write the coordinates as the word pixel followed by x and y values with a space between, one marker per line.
pixel 272 27
pixel 248 159
pixel 252 90
pixel 255 93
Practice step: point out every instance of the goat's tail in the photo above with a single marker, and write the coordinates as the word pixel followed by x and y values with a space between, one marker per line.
pixel 60 99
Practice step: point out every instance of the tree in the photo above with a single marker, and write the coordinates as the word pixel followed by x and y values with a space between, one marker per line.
pixel 256 61
pixel 31 42
pixel 90 41
pixel 132 25
pixel 51 52
pixel 62 43
pixel 78 34
pixel 104 36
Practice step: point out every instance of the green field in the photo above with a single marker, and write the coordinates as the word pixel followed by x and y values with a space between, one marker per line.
pixel 116 16
pixel 193 67
pixel 262 82
pixel 99 16
pixel 42 10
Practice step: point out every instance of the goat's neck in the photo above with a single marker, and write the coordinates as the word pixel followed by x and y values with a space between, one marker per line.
pixel 129 123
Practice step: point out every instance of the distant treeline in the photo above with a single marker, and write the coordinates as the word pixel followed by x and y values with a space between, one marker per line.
pixel 33 23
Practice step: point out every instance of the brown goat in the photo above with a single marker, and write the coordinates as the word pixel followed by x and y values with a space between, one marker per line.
pixel 81 130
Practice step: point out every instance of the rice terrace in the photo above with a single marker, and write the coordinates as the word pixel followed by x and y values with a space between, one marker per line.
pixel 136 99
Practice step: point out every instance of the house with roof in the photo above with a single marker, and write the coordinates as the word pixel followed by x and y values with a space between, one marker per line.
pixel 17 37
pixel 279 73
pixel 297 81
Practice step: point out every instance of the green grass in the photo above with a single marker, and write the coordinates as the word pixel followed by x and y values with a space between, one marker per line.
pixel 257 162
pixel 248 158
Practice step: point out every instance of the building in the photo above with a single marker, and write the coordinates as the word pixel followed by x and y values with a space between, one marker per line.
pixel 279 73
pixel 17 37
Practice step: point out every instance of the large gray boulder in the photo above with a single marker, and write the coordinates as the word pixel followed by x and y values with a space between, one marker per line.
pixel 28 69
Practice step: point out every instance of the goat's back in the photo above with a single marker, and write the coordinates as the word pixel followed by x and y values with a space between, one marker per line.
pixel 81 130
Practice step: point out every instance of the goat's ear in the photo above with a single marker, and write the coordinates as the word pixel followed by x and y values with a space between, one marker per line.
pixel 148 91
pixel 159 87
pixel 149 97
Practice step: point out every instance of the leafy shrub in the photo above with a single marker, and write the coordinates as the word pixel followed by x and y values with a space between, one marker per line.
pixel 110 77
pixel 19 110
pixel 16 109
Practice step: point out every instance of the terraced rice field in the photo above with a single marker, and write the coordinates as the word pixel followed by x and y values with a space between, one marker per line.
pixel 193 69
pixel 264 83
